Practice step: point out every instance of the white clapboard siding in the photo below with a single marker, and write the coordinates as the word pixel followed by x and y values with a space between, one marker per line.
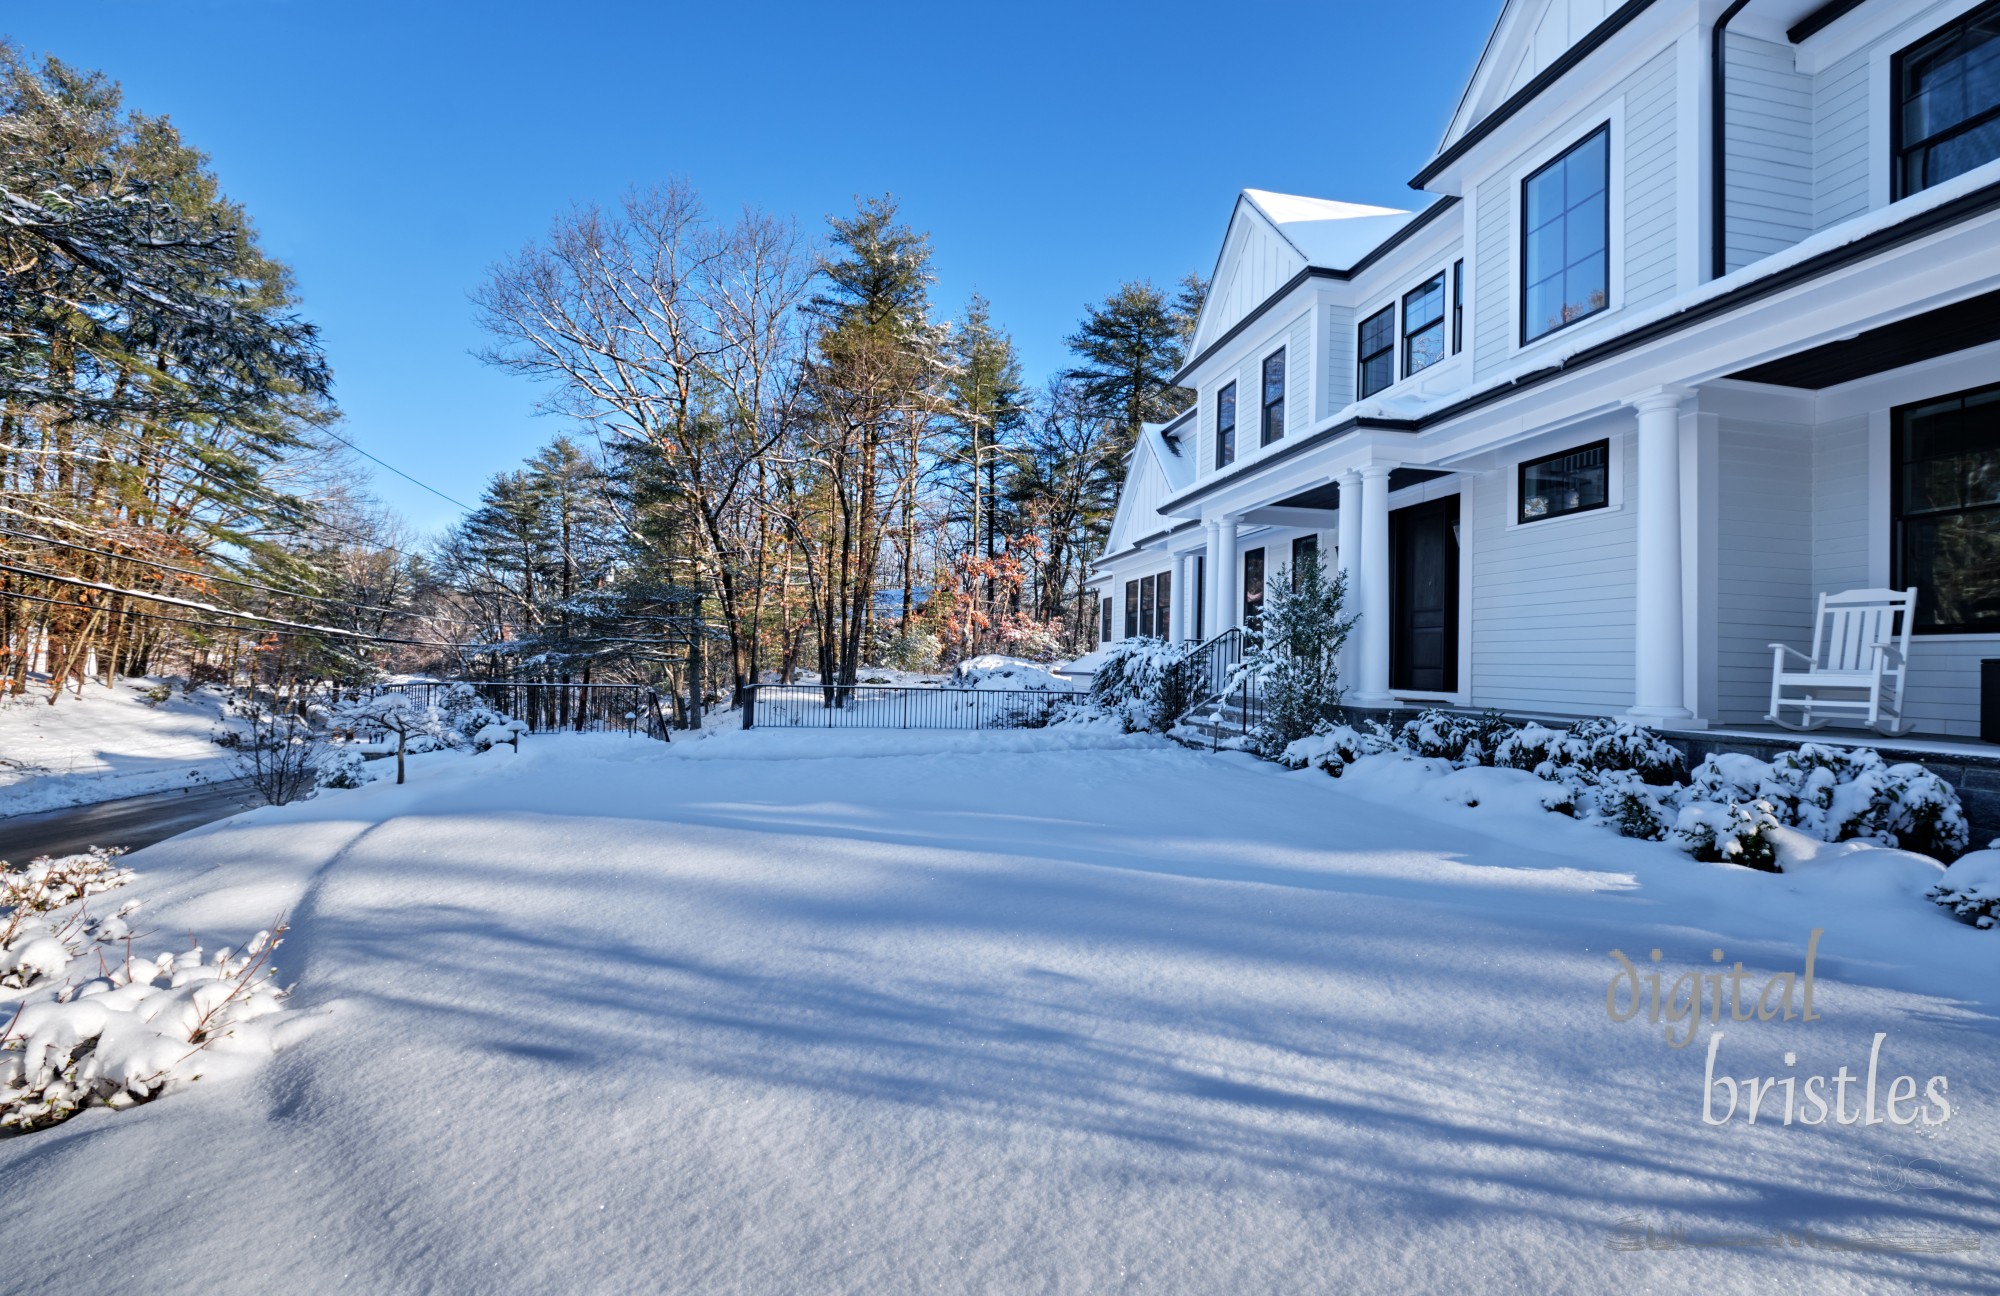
pixel 1764 547
pixel 1943 684
pixel 1552 605
pixel 1337 360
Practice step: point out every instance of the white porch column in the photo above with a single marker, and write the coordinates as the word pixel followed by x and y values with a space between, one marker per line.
pixel 1177 629
pixel 1372 660
pixel 1226 577
pixel 1208 612
pixel 1347 560
pixel 1658 654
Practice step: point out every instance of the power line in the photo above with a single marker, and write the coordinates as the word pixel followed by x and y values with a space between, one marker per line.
pixel 170 600
pixel 398 471
pixel 227 580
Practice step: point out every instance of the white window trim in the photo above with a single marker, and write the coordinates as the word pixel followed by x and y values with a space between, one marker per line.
pixel 1541 447
pixel 1551 147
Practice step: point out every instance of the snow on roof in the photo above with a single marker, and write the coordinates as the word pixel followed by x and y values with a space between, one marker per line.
pixel 1331 235
pixel 1177 465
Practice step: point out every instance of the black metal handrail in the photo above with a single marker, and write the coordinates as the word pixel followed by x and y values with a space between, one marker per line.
pixel 891 706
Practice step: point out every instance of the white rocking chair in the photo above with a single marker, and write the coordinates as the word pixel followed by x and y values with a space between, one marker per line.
pixel 1860 652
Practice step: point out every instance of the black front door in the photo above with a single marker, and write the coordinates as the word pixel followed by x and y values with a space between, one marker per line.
pixel 1423 597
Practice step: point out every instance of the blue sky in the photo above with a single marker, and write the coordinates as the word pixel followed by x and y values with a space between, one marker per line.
pixel 390 153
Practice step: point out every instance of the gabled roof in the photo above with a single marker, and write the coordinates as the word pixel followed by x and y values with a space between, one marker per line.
pixel 1273 237
pixel 1328 234
pixel 1155 469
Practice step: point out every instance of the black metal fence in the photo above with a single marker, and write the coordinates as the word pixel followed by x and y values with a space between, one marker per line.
pixel 886 706
pixel 560 708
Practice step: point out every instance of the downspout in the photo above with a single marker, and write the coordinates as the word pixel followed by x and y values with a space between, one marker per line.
pixel 1718 145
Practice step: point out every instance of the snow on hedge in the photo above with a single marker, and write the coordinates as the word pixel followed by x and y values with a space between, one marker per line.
pixel 1623 776
pixel 992 671
pixel 85 1022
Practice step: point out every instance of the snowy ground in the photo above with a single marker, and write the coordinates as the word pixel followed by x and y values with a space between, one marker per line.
pixel 107 743
pixel 1056 1012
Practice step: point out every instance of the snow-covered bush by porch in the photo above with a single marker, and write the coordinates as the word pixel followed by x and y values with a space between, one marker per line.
pixel 91 1024
pixel 1625 777
pixel 1970 888
pixel 992 671
pixel 1146 684
pixel 1295 659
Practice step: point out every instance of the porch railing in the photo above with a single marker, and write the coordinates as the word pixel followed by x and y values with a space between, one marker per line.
pixel 1223 685
pixel 886 706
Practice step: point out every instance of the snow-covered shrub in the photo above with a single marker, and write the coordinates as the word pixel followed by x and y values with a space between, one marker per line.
pixel 32 947
pixel 1734 833
pixel 1295 653
pixel 141 1029
pixel 154 694
pixel 1970 888
pixel 279 757
pixel 914 649
pixel 502 730
pixel 1334 747
pixel 991 671
pixel 1636 808
pixel 342 767
pixel 1455 736
pixel 1837 794
pixel 1609 744
pixel 1532 746
pixel 1148 684
pixel 392 714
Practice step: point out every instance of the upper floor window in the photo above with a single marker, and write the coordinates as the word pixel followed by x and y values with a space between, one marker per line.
pixel 1377 349
pixel 1948 102
pixel 1274 397
pixel 1457 306
pixel 1423 325
pixel 1225 426
pixel 1565 238
pixel 1946 464
pixel 1569 481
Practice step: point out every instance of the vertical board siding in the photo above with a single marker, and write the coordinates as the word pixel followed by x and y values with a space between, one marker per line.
pixel 1840 141
pixel 1553 603
pixel 1650 208
pixel 1764 541
pixel 1768 173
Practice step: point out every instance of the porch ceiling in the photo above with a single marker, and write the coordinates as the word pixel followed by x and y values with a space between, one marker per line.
pixel 1956 327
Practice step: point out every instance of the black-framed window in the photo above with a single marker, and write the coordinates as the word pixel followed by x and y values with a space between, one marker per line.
pixel 1947 110
pixel 1146 623
pixel 1253 583
pixel 1305 549
pixel 1274 396
pixel 1225 426
pixel 1423 325
pixel 1376 346
pixel 1164 598
pixel 1566 237
pixel 1131 609
pixel 1945 530
pixel 1457 306
pixel 1105 637
pixel 1569 481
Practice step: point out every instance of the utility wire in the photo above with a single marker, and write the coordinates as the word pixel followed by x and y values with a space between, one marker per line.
pixel 227 580
pixel 398 471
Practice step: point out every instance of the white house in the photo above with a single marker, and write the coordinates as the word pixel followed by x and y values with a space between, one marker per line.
pixel 1696 316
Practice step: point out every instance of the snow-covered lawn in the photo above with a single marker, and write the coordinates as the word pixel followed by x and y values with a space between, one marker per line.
pixel 107 743
pixel 1057 1011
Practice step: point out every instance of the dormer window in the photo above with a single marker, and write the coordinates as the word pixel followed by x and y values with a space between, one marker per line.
pixel 1566 236
pixel 1423 325
pixel 1274 397
pixel 1376 347
pixel 1947 118
pixel 1225 426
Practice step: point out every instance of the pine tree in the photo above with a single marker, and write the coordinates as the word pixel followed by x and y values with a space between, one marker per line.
pixel 1130 347
pixel 986 408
